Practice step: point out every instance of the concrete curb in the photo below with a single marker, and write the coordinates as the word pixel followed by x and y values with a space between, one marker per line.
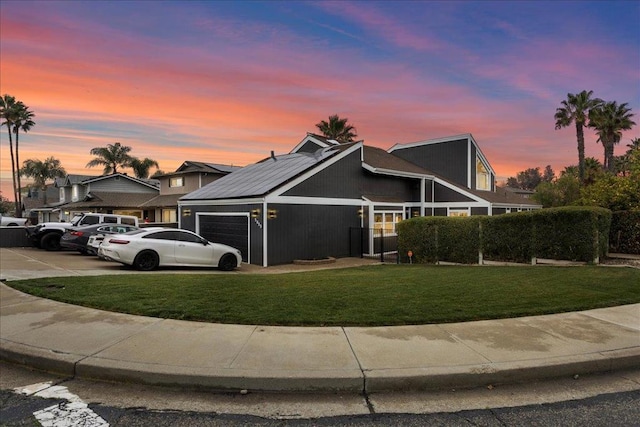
pixel 350 381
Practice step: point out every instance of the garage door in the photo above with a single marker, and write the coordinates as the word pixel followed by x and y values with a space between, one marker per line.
pixel 232 230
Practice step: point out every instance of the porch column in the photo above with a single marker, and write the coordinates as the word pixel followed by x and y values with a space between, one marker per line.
pixel 423 188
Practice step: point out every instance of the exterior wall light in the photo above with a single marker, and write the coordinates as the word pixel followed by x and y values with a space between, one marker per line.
pixel 186 212
pixel 272 214
pixel 255 213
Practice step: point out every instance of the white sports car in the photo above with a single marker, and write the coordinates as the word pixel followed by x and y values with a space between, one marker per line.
pixel 149 248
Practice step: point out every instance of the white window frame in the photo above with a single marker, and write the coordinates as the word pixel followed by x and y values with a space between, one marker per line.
pixel 486 175
pixel 458 212
pixel 179 182
pixel 388 231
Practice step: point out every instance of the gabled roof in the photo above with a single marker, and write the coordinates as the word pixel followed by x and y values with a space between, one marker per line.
pixel 190 165
pixel 72 179
pixel 152 183
pixel 261 178
pixel 320 141
pixel 96 199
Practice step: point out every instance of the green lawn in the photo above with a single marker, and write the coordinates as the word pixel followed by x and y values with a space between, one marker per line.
pixel 374 295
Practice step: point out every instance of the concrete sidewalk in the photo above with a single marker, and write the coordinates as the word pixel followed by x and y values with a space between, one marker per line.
pixel 88 343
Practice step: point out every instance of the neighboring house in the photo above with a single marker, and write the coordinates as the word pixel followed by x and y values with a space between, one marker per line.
pixel 115 194
pixel 318 200
pixel 189 177
pixel 34 201
pixel 519 191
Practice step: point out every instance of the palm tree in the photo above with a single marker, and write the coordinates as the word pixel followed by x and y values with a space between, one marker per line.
pixel 111 157
pixel 42 171
pixel 337 129
pixel 575 109
pixel 141 167
pixel 8 114
pixel 23 122
pixel 610 120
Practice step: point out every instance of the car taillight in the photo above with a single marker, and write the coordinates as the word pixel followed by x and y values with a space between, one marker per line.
pixel 118 241
pixel 77 233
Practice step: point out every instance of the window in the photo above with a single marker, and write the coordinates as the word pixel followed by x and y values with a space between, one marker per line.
pixel 458 212
pixel 386 221
pixel 176 182
pixel 169 215
pixel 483 177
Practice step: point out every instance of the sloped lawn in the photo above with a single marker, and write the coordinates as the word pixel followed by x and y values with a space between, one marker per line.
pixel 367 296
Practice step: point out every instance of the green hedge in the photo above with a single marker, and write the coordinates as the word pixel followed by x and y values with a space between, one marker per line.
pixel 625 232
pixel 568 233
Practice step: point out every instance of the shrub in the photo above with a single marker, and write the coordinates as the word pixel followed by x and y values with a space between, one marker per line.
pixel 625 232
pixel 568 233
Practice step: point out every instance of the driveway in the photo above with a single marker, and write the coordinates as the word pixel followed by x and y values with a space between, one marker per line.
pixel 29 263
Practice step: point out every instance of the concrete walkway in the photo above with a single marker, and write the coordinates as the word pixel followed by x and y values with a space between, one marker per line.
pixel 88 343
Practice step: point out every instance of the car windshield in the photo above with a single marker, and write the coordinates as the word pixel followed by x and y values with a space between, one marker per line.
pixel 76 219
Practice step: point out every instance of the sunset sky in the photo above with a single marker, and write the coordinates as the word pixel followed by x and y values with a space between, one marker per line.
pixel 226 82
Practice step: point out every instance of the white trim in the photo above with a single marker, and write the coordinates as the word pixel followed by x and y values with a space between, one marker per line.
pixel 310 138
pixel 301 200
pixel 382 171
pixel 314 170
pixel 469 163
pixel 430 141
pixel 244 214
pixel 223 202
pixel 265 242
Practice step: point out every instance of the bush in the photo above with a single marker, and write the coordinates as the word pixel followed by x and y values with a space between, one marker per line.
pixel 625 232
pixel 568 233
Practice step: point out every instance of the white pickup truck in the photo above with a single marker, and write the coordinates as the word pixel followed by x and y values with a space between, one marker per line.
pixel 9 221
pixel 47 234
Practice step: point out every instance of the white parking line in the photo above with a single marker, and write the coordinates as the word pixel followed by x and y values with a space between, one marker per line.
pixel 71 413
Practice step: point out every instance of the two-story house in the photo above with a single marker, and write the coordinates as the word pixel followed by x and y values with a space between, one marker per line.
pixel 189 177
pixel 115 194
pixel 317 200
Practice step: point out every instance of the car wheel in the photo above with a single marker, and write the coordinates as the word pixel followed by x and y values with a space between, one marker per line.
pixel 146 261
pixel 228 262
pixel 50 242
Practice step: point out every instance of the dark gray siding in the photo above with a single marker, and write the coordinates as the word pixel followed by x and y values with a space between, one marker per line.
pixel 340 180
pixel 448 159
pixel 309 147
pixel 309 232
pixel 445 194
pixel 498 211
pixel 479 211
pixel 440 212
pixel 347 179
pixel 381 186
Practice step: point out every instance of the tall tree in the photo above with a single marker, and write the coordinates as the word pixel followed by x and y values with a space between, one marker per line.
pixel 575 109
pixel 23 122
pixel 610 120
pixel 142 167
pixel 111 157
pixel 8 113
pixel 527 179
pixel 337 129
pixel 17 117
pixel 42 171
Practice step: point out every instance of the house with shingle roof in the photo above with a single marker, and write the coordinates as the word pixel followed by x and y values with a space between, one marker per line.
pixel 188 177
pixel 326 199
